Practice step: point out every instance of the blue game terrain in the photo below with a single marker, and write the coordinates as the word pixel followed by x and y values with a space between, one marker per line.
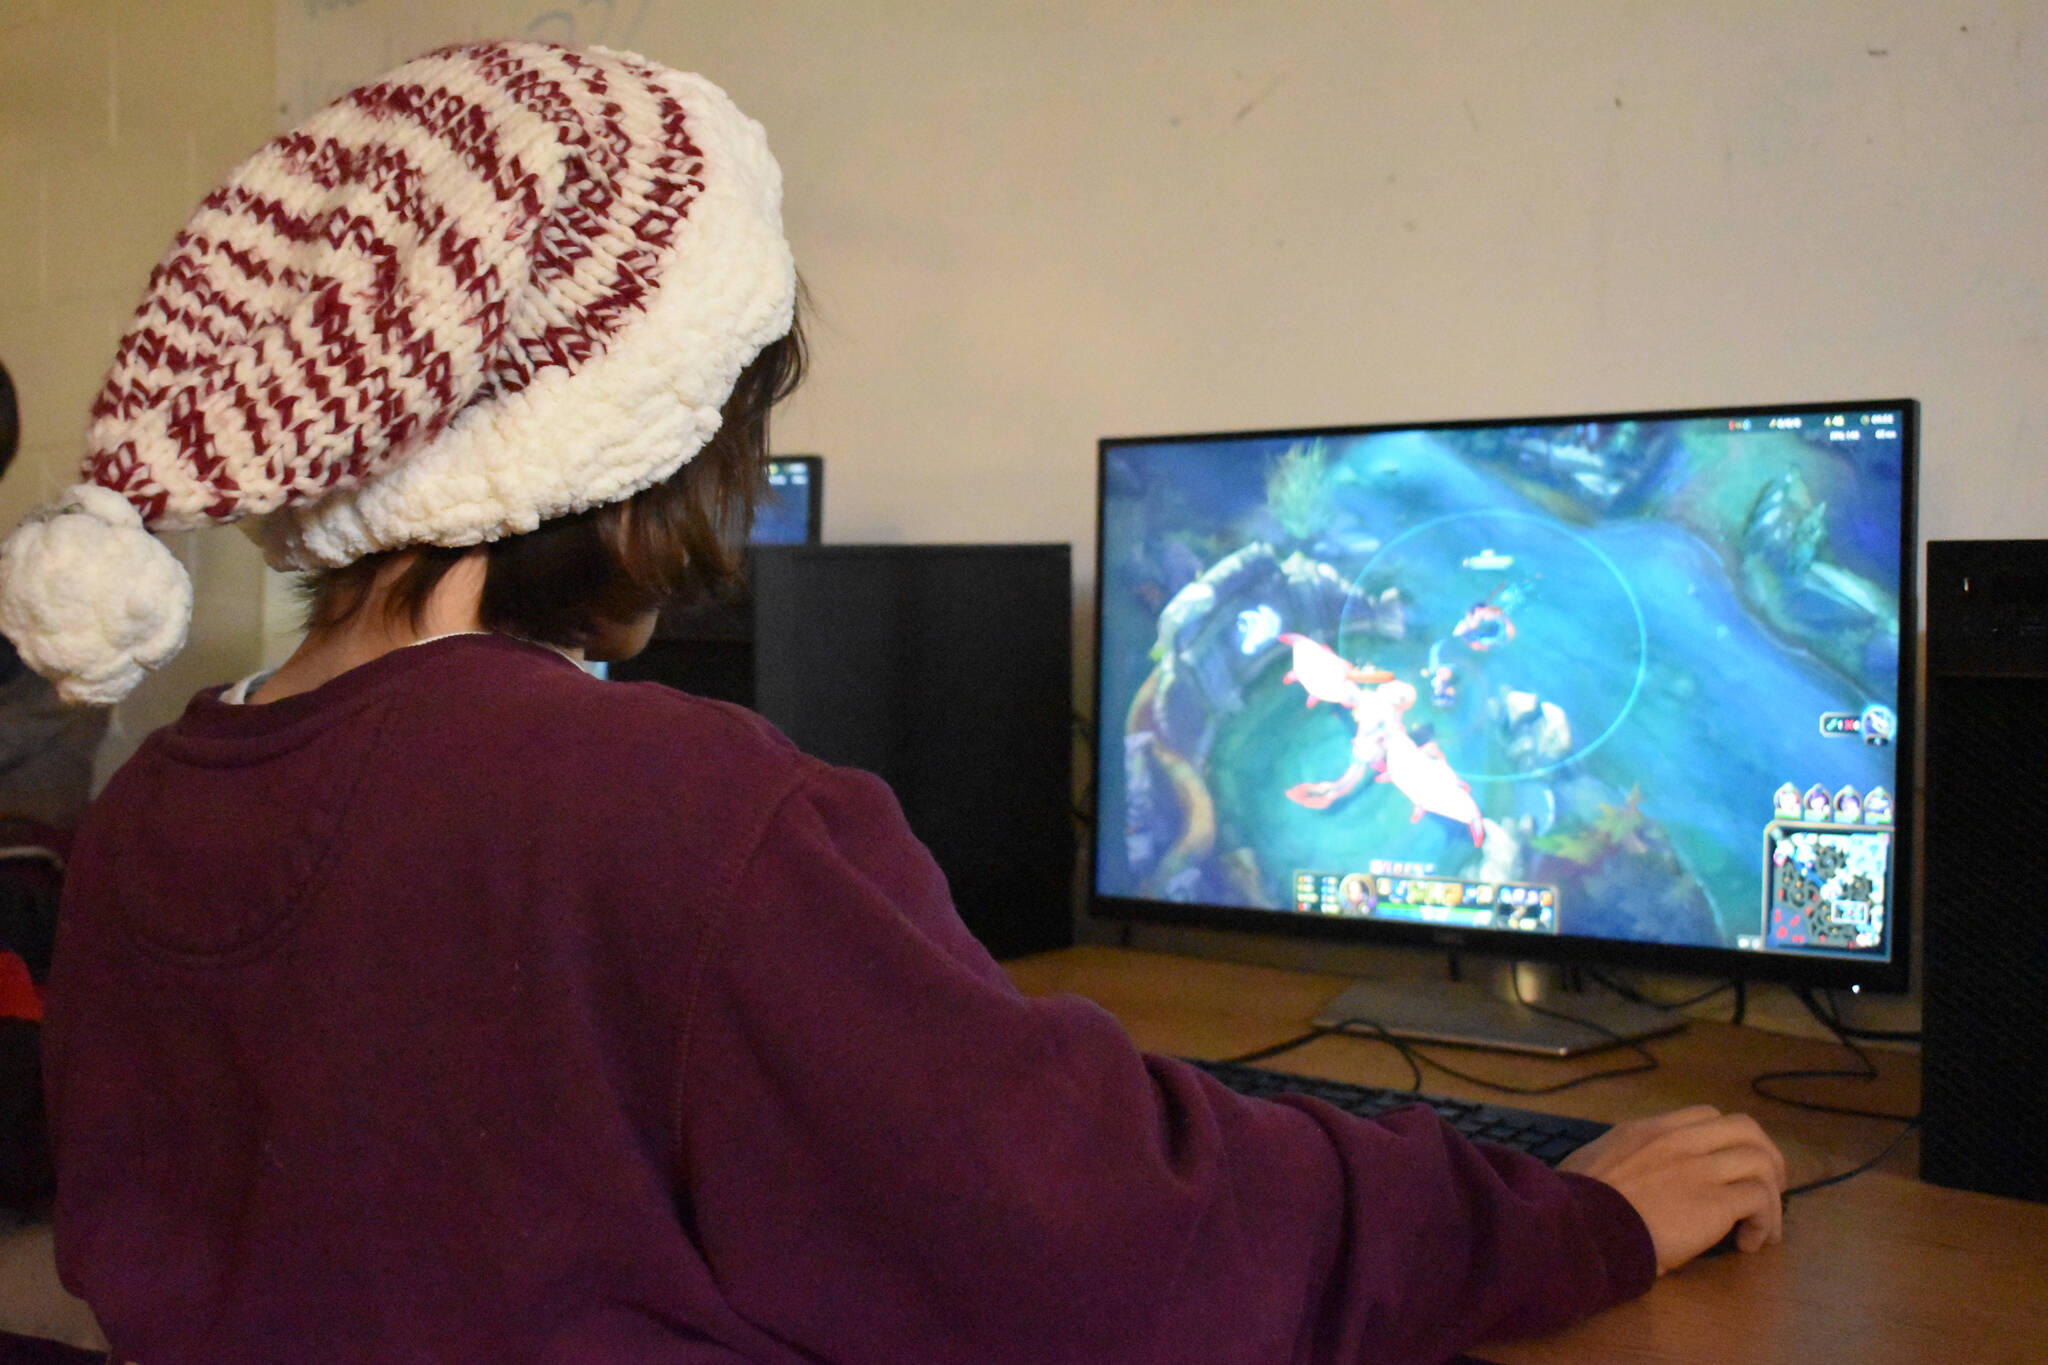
pixel 1575 662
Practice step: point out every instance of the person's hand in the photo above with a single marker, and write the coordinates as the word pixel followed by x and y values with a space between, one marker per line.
pixel 1692 1174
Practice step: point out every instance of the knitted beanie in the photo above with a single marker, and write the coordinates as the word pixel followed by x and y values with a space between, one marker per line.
pixel 506 282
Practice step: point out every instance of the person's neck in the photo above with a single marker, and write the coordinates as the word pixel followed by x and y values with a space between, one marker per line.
pixel 372 630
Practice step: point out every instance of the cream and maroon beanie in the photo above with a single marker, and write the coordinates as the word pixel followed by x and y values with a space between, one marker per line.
pixel 506 282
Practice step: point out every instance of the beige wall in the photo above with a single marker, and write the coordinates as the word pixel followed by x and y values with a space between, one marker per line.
pixel 1032 223
pixel 116 116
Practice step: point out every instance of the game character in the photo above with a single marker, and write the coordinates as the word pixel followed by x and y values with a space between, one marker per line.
pixel 1257 627
pixel 1443 685
pixel 1325 674
pixel 1383 746
pixel 1377 712
pixel 1421 773
pixel 1787 803
pixel 1486 624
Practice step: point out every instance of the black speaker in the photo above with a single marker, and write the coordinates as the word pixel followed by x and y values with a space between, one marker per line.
pixel 1984 1049
pixel 947 670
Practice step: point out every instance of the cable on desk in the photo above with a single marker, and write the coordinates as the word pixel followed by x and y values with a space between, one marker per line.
pixel 1638 996
pixel 1832 1017
pixel 1866 1071
pixel 1648 1063
pixel 1912 1125
pixel 1262 1054
pixel 1400 1046
pixel 1417 1058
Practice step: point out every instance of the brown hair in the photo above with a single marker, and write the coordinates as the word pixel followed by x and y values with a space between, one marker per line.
pixel 679 540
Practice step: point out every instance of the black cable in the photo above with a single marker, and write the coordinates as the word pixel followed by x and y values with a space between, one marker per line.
pixel 1756 1083
pixel 1626 991
pixel 1358 1025
pixel 1400 1046
pixel 1418 1058
pixel 1378 1034
pixel 1738 1012
pixel 1912 1125
pixel 1261 1054
pixel 1866 1071
pixel 1832 1017
pixel 1635 995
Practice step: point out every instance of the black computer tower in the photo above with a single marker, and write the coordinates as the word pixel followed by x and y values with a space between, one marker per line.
pixel 945 669
pixel 1984 1051
pixel 707 650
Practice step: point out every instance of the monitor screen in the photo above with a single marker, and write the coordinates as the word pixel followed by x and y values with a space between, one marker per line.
pixel 794 509
pixel 1621 688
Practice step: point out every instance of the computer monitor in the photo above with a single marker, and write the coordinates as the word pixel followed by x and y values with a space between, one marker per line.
pixel 1622 689
pixel 707 647
pixel 794 510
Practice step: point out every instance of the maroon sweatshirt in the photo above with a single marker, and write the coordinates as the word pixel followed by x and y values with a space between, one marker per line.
pixel 472 1009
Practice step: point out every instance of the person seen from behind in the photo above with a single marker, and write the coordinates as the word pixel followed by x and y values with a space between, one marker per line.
pixel 428 998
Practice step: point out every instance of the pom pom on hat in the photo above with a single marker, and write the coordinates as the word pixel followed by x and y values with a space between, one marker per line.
pixel 506 282
pixel 91 599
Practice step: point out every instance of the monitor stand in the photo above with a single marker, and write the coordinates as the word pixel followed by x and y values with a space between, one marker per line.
pixel 1488 1013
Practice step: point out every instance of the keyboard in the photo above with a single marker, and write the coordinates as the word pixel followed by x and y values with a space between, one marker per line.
pixel 1547 1137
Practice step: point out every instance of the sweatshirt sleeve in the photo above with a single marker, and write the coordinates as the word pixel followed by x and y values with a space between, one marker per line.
pixel 887 1153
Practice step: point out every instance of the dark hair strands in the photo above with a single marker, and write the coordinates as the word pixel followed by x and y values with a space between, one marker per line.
pixel 681 540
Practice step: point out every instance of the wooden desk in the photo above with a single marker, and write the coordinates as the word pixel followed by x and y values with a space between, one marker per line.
pixel 1880 1270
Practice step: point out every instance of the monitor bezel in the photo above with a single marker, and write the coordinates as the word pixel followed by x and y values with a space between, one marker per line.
pixel 1890 975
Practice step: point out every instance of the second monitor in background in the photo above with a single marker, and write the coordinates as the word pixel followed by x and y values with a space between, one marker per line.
pixel 793 513
pixel 708 647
